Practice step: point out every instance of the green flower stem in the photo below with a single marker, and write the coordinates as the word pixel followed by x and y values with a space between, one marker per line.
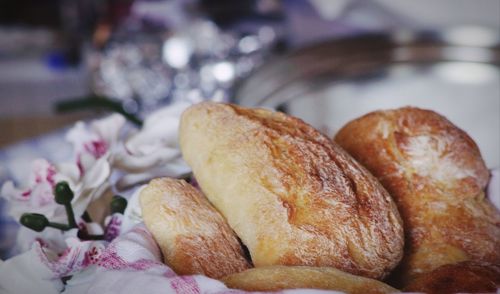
pixel 97 102
pixel 59 226
pixel 71 215
pixel 93 237
pixel 86 217
pixel 83 235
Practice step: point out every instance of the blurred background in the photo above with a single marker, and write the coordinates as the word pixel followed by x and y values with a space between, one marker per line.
pixel 142 54
pixel 324 61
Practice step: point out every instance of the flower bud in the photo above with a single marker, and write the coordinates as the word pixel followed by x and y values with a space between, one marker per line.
pixel 63 193
pixel 118 204
pixel 35 221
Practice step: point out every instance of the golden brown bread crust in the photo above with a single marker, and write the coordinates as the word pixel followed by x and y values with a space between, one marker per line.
pixel 464 277
pixel 193 237
pixel 291 195
pixel 278 277
pixel 436 174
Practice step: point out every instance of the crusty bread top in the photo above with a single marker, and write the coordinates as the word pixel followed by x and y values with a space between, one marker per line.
pixel 419 142
pixel 292 196
pixel 193 236
pixel 437 176
pixel 275 278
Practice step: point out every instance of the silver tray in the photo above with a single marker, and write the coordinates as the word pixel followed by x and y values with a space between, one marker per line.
pixel 329 84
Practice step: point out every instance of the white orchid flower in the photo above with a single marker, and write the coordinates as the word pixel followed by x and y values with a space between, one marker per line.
pixel 154 150
pixel 38 195
pixel 94 147
pixel 87 177
pixel 96 141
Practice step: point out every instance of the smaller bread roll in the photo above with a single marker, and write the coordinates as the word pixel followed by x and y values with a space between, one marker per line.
pixel 194 238
pixel 279 277
pixel 464 277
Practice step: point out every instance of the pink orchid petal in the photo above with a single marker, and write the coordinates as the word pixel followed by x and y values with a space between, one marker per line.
pixel 96 148
pixel 113 226
pixel 79 135
pixel 37 196
pixel 42 171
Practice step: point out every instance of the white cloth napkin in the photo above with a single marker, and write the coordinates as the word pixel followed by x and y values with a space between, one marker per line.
pixel 132 264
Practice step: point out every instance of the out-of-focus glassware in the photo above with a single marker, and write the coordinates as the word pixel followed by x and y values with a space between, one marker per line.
pixel 153 59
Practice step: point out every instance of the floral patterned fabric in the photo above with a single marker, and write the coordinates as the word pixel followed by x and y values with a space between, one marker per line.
pixel 130 264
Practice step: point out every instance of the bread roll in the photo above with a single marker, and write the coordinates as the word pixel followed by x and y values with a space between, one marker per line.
pixel 192 235
pixel 278 277
pixel 436 174
pixel 291 195
pixel 464 277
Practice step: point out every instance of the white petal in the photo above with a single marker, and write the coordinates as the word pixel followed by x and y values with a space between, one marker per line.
pixel 78 135
pixel 160 129
pixel 69 172
pixel 97 173
pixel 173 110
pixel 133 163
pixel 99 208
pixel 9 191
pixel 87 161
pixel 51 238
pixel 164 133
pixel 174 169
pixel 109 128
pixel 87 196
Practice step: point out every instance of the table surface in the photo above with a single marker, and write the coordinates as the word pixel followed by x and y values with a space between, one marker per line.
pixel 16 129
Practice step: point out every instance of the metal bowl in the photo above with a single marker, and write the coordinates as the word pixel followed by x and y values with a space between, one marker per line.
pixel 456 73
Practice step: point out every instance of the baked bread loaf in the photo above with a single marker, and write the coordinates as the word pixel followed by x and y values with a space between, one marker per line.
pixel 292 196
pixel 278 277
pixel 463 277
pixel 436 174
pixel 194 238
